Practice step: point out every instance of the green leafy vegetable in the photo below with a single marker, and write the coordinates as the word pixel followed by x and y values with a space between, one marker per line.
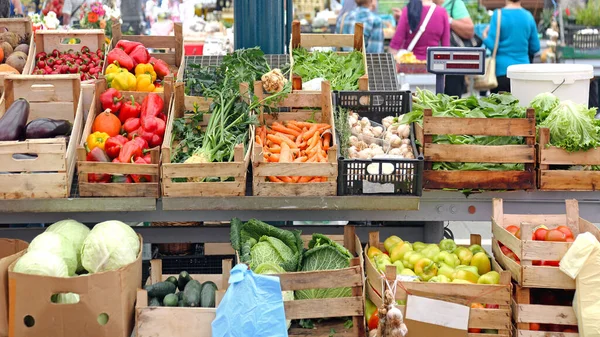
pixel 342 70
pixel 543 104
pixel 342 128
pixel 324 254
pixel 573 127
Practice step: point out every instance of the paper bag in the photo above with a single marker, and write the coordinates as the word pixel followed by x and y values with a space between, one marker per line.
pixel 10 251
pixel 429 317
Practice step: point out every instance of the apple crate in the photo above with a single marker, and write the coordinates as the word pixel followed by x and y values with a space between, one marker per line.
pixel 22 27
pixel 489 318
pixel 309 41
pixel 41 168
pixel 177 321
pixel 330 309
pixel 143 189
pixel 552 179
pixel 302 107
pixel 236 169
pixel 524 272
pixel 488 180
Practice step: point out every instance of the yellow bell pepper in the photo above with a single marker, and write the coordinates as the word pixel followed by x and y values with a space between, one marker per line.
pixel 145 69
pixel 111 71
pixel 144 83
pixel 125 81
pixel 96 139
pixel 159 89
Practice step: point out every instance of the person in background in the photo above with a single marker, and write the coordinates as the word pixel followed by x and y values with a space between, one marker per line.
pixel 349 5
pixel 437 31
pixel 372 25
pixel 16 8
pixel 462 28
pixel 518 40
pixel 70 11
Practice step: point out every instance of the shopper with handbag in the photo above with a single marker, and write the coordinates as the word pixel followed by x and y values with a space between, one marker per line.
pixel 423 24
pixel 513 36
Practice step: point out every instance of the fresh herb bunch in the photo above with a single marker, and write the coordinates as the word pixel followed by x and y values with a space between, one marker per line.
pixel 342 128
pixel 342 70
pixel 186 135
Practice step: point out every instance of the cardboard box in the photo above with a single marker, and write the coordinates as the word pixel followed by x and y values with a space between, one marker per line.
pixel 112 293
pixel 10 251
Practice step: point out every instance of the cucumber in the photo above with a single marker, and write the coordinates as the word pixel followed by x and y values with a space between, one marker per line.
pixel 154 302
pixel 161 289
pixel 180 304
pixel 184 278
pixel 180 295
pixel 173 280
pixel 207 294
pixel 191 294
pixel 170 300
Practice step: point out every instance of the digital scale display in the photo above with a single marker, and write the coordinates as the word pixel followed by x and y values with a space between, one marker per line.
pixel 456 61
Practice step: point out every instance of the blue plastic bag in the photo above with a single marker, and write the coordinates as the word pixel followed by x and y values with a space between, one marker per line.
pixel 252 306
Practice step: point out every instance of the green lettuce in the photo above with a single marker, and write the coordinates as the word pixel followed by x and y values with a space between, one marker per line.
pixel 543 104
pixel 324 254
pixel 573 127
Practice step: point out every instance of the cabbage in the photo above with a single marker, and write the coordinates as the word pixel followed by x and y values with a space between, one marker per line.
pixel 74 231
pixel 270 250
pixel 324 254
pixel 109 246
pixel 573 127
pixel 65 298
pixel 58 245
pixel 41 263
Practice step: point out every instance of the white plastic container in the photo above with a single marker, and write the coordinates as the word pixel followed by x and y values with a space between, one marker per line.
pixel 567 81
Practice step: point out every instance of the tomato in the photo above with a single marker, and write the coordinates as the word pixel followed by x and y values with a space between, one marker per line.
pixel 554 328
pixel 518 234
pixel 556 236
pixel 474 330
pixel 571 329
pixel 492 306
pixel 505 250
pixel 537 263
pixel 565 230
pixel 512 229
pixel 534 326
pixel 569 240
pixel 550 263
pixel 540 234
pixel 476 306
pixel 374 321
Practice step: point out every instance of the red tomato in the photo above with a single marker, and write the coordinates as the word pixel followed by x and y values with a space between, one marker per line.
pixel 534 326
pixel 571 329
pixel 565 230
pixel 374 321
pixel 537 263
pixel 550 263
pixel 556 236
pixel 492 306
pixel 569 240
pixel 554 327
pixel 518 234
pixel 476 306
pixel 540 234
pixel 512 229
pixel 505 250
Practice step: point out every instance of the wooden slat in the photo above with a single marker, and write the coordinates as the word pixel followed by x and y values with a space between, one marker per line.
pixel 546 277
pixel 296 100
pixel 324 329
pixel 174 321
pixel 45 162
pixel 347 277
pixel 117 168
pixel 326 40
pixel 535 219
pixel 557 156
pixel 194 189
pixel 284 189
pixel 48 40
pixel 506 238
pixel 458 293
pixel 479 126
pixel 34 146
pixel 33 186
pixel 527 333
pixel 324 308
pixel 204 170
pixel 120 190
pixel 506 263
pixel 544 314
pixel 490 319
pixel 154 41
pixel 502 180
pixel 296 169
pixel 557 180
pixel 542 250
pixel 480 153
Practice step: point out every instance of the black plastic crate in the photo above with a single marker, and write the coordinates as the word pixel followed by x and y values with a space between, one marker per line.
pixel 581 41
pixel 194 264
pixel 379 176
pixel 382 72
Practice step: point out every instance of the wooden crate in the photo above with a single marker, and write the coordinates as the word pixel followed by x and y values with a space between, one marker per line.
pixel 22 27
pixel 237 168
pixel 177 321
pixel 48 40
pixel 145 189
pixel 466 294
pixel 50 174
pixel 487 180
pixel 342 307
pixel 172 46
pixel 565 180
pixel 302 106
pixel 328 40
pixel 525 273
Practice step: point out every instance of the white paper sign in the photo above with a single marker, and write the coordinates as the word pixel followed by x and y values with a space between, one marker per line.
pixel 437 312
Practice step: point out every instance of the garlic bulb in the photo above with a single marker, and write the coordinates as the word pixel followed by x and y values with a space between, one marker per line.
pixel 353 140
pixel 406 141
pixel 396 141
pixel 361 145
pixel 365 122
pixel 410 155
pixel 377 131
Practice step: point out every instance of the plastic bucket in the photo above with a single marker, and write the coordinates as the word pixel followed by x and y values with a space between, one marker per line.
pixel 566 81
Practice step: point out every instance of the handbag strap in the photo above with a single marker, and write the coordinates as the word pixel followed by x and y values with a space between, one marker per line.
pixel 497 34
pixel 417 37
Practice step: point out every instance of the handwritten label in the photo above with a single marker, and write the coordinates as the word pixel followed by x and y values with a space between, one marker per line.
pixel 437 312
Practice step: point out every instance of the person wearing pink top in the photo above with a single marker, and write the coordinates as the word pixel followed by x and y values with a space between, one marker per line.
pixel 437 31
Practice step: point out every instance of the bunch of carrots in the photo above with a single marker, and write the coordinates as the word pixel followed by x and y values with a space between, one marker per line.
pixel 295 142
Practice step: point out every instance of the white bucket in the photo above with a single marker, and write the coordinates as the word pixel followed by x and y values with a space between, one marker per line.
pixel 566 81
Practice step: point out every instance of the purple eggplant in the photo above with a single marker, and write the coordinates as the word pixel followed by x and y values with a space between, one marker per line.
pixel 12 124
pixel 47 128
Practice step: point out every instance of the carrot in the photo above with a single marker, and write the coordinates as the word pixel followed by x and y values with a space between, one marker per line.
pixel 299 139
pixel 324 128
pixel 295 179
pixel 276 138
pixel 286 155
pixel 259 141
pixel 273 158
pixel 326 141
pixel 274 149
pixel 309 125
pixel 315 180
pixel 301 159
pixel 294 127
pixel 286 179
pixel 285 130
pixel 274 179
pixel 307 135
pixel 304 180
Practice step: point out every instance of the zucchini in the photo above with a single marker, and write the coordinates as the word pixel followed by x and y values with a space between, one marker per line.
pixel 191 294
pixel 154 302
pixel 184 278
pixel 170 300
pixel 207 294
pixel 180 303
pixel 173 280
pixel 180 295
pixel 161 289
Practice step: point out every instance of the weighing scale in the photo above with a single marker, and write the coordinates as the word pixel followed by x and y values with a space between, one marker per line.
pixel 443 61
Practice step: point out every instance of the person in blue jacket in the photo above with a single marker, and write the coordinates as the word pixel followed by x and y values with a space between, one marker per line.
pixel 518 40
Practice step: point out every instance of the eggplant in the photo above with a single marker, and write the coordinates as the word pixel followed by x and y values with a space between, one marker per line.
pixel 47 128
pixel 12 124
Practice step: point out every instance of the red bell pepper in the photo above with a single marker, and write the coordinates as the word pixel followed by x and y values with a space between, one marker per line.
pixel 152 105
pixel 131 126
pixel 114 145
pixel 148 158
pixel 97 155
pixel 111 99
pixel 127 45
pixel 130 151
pixel 160 67
pixel 139 55
pixel 120 58
pixel 153 130
pixel 121 179
pixel 130 109
pixel 162 116
pixel 140 178
pixel 142 142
